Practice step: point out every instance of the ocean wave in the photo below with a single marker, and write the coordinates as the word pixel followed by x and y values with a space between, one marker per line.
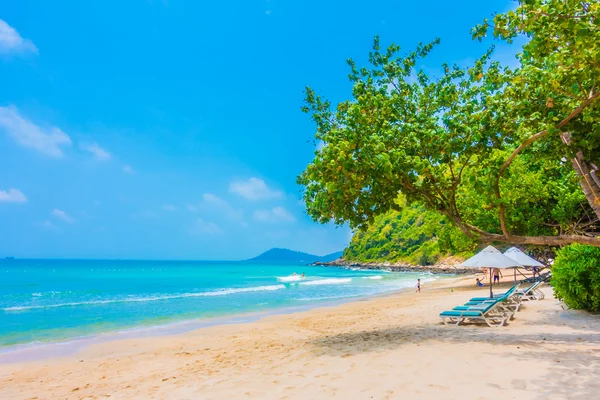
pixel 220 292
pixel 290 278
pixel 376 277
pixel 330 281
pixel 325 298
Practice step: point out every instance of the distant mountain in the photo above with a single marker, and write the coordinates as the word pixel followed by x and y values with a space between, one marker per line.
pixel 286 255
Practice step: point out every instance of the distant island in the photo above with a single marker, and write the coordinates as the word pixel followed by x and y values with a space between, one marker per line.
pixel 287 255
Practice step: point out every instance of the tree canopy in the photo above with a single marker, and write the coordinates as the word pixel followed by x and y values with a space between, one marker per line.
pixel 506 155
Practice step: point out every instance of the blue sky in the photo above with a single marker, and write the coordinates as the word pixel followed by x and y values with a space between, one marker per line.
pixel 171 129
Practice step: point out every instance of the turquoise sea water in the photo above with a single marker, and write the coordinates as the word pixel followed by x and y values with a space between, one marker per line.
pixel 52 300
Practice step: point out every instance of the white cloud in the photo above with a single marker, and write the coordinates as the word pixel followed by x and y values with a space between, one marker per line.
pixel 215 200
pixel 60 214
pixel 254 189
pixel 12 43
pixel 48 225
pixel 277 214
pixel 12 196
pixel 45 140
pixel 98 152
pixel 128 169
pixel 202 227
pixel 191 207
pixel 169 207
pixel 218 203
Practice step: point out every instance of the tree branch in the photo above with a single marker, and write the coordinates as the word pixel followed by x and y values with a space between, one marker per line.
pixel 526 143
pixel 559 15
pixel 559 240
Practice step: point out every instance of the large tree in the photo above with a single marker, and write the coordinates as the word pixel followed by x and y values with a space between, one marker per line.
pixel 486 146
pixel 560 67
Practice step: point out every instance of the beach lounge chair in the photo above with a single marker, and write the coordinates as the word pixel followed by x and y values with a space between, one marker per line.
pixel 491 313
pixel 533 292
pixel 498 296
pixel 507 307
pixel 511 300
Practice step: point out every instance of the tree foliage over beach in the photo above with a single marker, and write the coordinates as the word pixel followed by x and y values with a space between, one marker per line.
pixel 506 155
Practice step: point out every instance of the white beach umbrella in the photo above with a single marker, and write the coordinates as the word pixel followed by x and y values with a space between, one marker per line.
pixel 522 258
pixel 491 257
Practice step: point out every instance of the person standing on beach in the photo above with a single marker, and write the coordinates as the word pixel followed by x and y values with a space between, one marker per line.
pixel 497 275
pixel 418 286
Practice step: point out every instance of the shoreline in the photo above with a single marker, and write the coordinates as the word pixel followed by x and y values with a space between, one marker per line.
pixel 447 266
pixel 389 347
pixel 38 351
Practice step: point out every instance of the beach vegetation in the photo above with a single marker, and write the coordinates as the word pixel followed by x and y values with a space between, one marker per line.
pixel 412 235
pixel 576 277
pixel 504 154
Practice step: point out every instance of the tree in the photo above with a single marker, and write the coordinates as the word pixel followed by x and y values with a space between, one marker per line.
pixel 467 144
pixel 560 66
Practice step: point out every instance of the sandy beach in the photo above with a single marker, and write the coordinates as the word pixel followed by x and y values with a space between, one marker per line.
pixel 392 347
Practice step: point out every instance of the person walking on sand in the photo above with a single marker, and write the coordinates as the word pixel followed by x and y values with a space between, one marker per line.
pixel 497 275
pixel 418 286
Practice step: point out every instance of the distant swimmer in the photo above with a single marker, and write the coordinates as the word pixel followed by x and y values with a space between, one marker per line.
pixel 294 274
pixel 303 276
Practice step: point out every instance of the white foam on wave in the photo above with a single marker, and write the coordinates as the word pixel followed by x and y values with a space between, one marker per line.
pixel 291 278
pixel 330 281
pixel 220 292
pixel 375 277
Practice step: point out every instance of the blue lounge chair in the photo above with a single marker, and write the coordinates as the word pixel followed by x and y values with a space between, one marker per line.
pixel 510 300
pixel 502 303
pixel 497 296
pixel 533 292
pixel 492 313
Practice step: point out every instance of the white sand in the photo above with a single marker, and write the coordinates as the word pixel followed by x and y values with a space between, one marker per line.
pixel 386 348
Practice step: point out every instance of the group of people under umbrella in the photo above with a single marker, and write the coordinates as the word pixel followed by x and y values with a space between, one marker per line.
pixel 492 258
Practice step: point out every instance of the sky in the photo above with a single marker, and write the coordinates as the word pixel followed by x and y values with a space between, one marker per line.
pixel 171 129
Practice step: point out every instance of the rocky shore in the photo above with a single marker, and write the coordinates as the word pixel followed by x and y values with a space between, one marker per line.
pixel 446 266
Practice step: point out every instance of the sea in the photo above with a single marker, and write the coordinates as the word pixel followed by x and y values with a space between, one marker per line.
pixel 46 301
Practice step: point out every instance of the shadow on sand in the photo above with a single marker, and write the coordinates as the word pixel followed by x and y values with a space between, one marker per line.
pixel 572 375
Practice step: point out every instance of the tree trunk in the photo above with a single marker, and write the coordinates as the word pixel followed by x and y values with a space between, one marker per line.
pixel 588 178
pixel 560 240
pixel 590 187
